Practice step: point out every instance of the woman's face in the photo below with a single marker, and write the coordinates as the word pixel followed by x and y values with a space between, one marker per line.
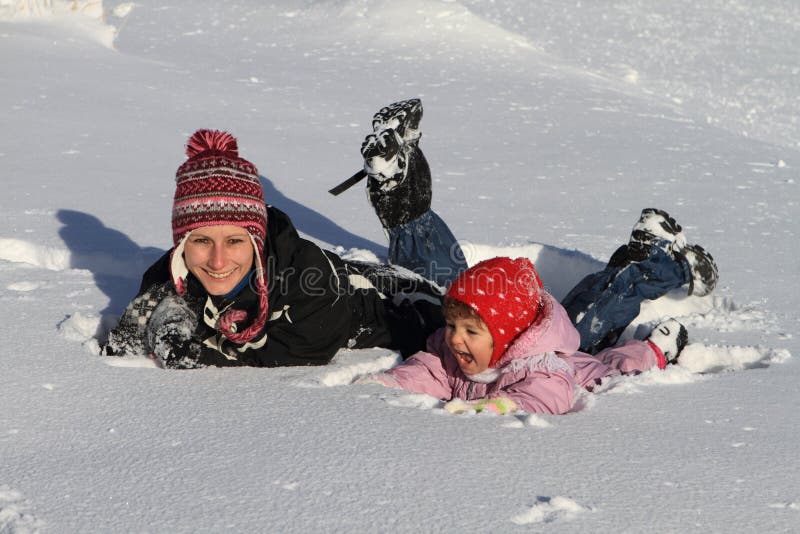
pixel 219 256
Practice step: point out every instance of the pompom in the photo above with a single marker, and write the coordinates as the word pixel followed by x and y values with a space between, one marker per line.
pixel 206 140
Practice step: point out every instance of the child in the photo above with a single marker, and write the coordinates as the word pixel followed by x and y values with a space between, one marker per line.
pixel 508 345
pixel 655 261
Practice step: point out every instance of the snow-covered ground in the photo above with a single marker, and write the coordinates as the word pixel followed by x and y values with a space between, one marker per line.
pixel 548 126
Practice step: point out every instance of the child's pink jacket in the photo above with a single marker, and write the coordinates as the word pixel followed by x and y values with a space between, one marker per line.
pixel 540 371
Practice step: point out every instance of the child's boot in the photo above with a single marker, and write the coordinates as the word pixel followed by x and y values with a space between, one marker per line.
pixel 704 270
pixel 402 117
pixel 668 340
pixel 654 228
pixel 399 179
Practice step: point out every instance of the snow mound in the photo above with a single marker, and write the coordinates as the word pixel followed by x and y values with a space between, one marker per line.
pixel 785 505
pixel 560 269
pixel 79 327
pixel 85 16
pixel 718 313
pixel 24 286
pixel 677 304
pixel 415 400
pixel 61 259
pixel 698 358
pixel 348 365
pixel 19 251
pixel 36 9
pixel 86 329
pixel 695 363
pixel 537 421
pixel 131 361
pixel 550 510
pixel 428 20
pixel 13 517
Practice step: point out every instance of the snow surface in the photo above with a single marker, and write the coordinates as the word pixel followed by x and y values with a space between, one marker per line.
pixel 548 126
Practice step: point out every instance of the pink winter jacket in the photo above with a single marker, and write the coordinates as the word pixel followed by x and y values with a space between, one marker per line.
pixel 540 371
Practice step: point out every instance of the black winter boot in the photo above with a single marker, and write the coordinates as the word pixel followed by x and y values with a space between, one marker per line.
pixel 399 179
pixel 654 227
pixel 402 117
pixel 704 270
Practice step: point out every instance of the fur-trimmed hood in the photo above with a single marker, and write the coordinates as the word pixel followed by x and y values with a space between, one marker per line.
pixel 551 332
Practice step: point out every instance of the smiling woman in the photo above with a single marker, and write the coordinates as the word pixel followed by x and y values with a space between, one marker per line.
pixel 240 287
pixel 220 257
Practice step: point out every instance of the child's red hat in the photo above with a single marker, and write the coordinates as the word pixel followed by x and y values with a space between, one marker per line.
pixel 505 293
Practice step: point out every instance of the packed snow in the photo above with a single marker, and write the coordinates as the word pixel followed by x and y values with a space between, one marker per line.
pixel 548 127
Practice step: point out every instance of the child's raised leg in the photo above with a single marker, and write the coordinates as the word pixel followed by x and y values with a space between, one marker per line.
pixel 399 188
pixel 655 261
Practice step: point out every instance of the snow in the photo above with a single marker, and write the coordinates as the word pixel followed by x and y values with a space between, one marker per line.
pixel 548 126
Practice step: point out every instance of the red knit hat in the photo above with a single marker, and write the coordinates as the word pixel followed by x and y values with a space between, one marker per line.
pixel 504 293
pixel 215 187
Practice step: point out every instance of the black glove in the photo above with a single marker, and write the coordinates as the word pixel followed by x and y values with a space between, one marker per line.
pixel 171 334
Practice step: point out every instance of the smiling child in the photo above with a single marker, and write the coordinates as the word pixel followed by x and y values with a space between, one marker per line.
pixel 508 345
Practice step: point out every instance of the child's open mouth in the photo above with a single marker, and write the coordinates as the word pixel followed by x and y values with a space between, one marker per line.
pixel 464 356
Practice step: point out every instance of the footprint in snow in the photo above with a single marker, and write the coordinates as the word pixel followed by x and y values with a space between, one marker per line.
pixel 23 286
pixel 786 506
pixel 550 510
pixel 13 517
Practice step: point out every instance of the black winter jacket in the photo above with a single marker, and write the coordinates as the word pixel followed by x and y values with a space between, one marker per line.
pixel 313 311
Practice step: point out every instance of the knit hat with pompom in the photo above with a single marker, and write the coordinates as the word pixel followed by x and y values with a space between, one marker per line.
pixel 216 187
pixel 505 293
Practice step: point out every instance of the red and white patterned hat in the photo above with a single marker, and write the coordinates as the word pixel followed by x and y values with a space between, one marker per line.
pixel 505 293
pixel 216 187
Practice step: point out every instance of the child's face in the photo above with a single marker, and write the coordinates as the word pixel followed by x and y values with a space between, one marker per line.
pixel 219 256
pixel 471 343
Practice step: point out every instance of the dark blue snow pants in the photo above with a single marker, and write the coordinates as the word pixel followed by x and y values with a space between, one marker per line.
pixel 600 306
pixel 427 246
pixel 603 304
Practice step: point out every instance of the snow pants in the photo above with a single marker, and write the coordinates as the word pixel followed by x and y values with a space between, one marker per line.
pixel 603 304
pixel 427 247
pixel 600 306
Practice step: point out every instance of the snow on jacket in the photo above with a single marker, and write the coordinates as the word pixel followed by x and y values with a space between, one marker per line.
pixel 541 370
pixel 311 316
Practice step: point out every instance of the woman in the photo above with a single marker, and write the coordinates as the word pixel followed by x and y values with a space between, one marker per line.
pixel 240 287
